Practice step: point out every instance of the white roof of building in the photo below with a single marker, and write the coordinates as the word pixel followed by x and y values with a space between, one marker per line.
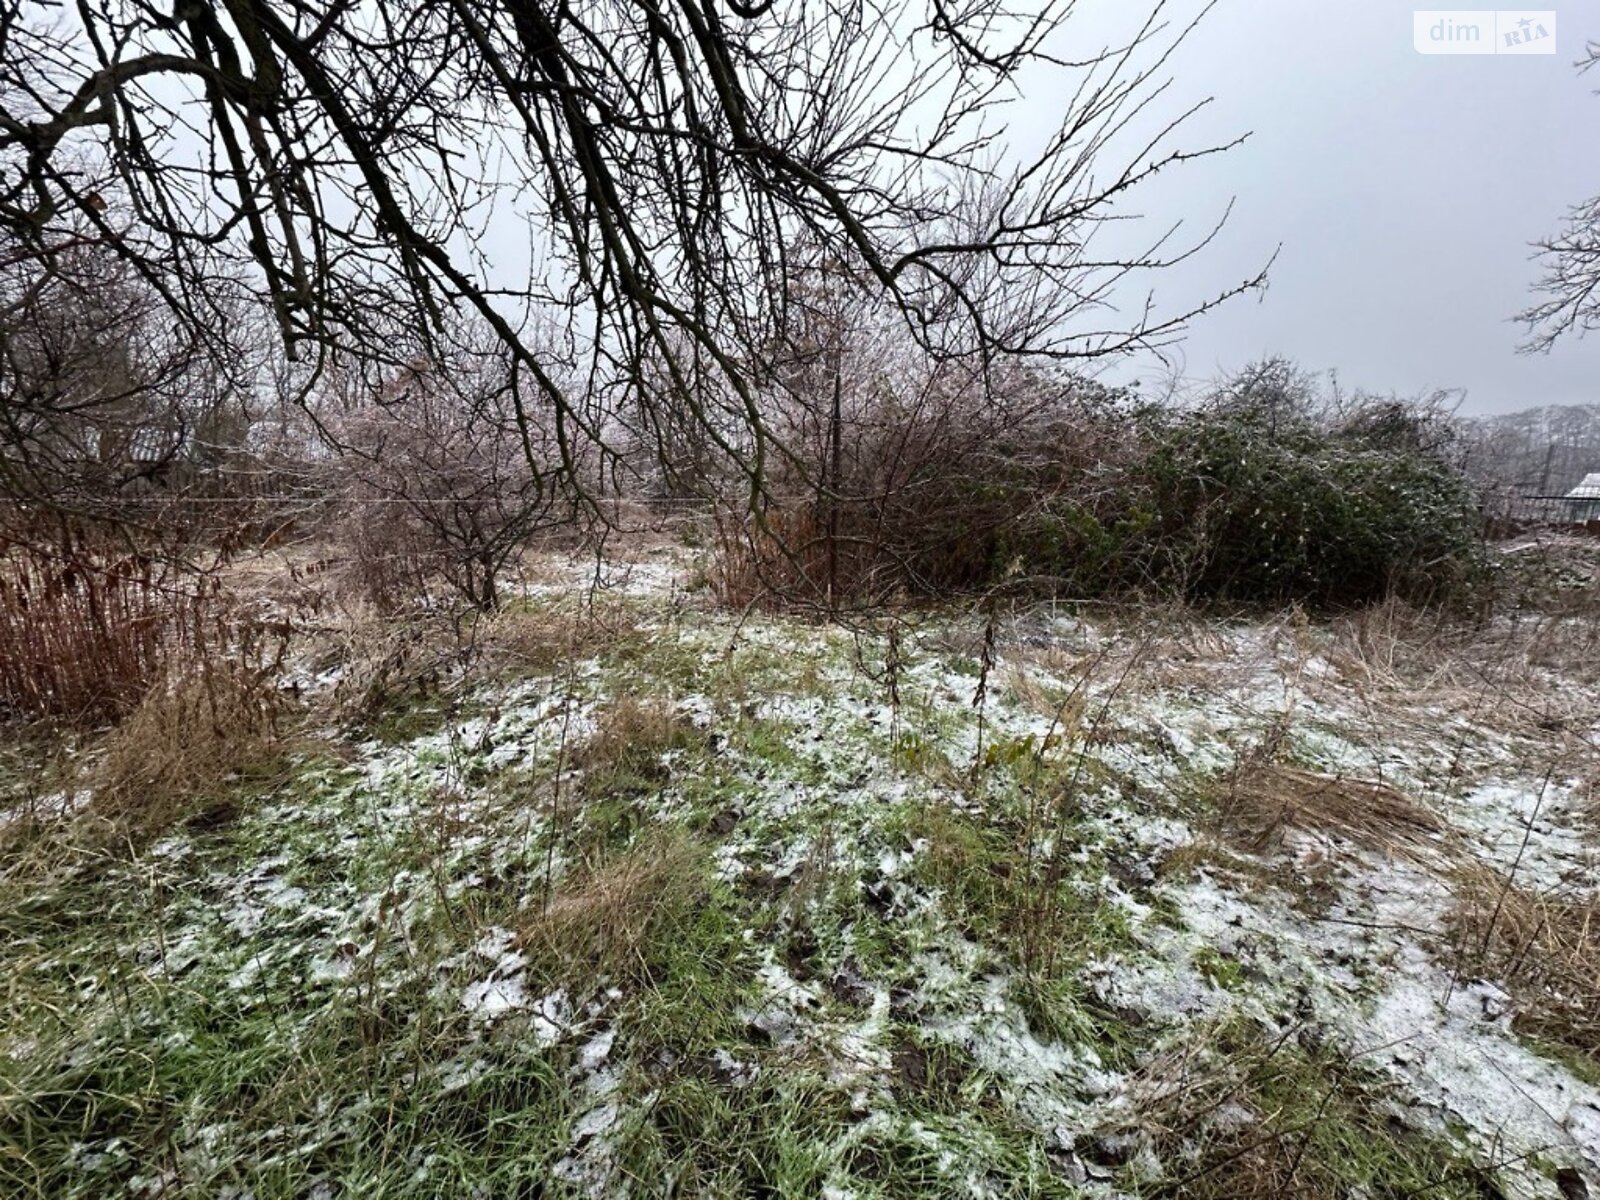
pixel 1589 489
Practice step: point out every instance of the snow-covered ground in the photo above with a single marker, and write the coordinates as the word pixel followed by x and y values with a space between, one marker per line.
pixel 950 924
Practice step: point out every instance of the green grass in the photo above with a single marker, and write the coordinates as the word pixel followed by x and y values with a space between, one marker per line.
pixel 276 1004
pixel 397 722
pixel 1279 1115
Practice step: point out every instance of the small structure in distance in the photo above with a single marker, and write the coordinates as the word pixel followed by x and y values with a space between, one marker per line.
pixel 1584 500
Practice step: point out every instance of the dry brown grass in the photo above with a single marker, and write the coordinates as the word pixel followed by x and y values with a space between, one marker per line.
pixel 784 563
pixel 1588 795
pixel 1203 1113
pixel 1261 802
pixel 385 663
pixel 1173 646
pixel 1395 645
pixel 198 733
pixel 1142 649
pixel 1026 691
pixel 629 738
pixel 82 641
pixel 1530 674
pixel 611 918
pixel 1544 948
pixel 40 785
pixel 551 637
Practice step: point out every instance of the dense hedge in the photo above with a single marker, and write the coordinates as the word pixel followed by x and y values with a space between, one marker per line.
pixel 1265 494
pixel 1252 507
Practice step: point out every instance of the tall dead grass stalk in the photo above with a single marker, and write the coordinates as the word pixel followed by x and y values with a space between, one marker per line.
pixel 1263 801
pixel 607 919
pixel 82 642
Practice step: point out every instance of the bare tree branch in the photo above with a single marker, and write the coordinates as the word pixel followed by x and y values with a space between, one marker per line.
pixel 370 167
pixel 1570 285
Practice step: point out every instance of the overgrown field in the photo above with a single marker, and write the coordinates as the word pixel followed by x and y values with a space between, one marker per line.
pixel 655 899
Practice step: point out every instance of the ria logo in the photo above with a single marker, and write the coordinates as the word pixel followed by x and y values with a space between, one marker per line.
pixel 1484 31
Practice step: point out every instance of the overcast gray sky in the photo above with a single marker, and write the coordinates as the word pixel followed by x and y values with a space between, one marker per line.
pixel 1403 188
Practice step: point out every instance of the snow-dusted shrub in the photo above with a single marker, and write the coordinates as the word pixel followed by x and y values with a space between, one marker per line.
pixel 447 474
pixel 1269 493
pixel 1257 505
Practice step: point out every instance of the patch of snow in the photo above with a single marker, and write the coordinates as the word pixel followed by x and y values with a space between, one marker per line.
pixel 590 1161
pixel 1042 1079
pixel 737 1072
pixel 785 1002
pixel 1530 826
pixel 1363 974
pixel 491 998
pixel 596 1050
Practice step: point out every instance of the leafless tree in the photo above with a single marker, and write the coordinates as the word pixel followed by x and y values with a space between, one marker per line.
pixel 1570 286
pixel 375 164
pixel 437 479
pixel 104 399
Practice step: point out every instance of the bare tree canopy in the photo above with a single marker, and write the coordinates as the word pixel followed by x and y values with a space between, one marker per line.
pixel 1570 286
pixel 99 388
pixel 653 165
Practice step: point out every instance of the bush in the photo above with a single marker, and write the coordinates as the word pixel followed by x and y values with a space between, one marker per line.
pixel 787 557
pixel 947 491
pixel 1269 493
pixel 1255 508
pixel 438 482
